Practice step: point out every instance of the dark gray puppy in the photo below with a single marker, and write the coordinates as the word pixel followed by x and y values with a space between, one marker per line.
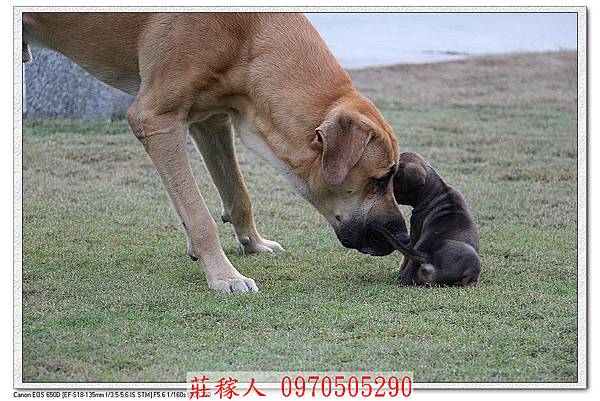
pixel 444 243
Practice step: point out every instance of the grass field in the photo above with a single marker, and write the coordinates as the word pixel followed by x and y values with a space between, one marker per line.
pixel 109 293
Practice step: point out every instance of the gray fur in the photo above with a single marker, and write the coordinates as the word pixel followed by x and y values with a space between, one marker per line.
pixel 441 227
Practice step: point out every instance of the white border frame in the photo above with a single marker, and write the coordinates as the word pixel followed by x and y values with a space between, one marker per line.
pixel 581 181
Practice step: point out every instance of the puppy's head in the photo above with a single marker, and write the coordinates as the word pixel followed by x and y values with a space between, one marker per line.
pixel 410 178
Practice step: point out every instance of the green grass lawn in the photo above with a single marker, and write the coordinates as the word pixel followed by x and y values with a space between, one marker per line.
pixel 109 293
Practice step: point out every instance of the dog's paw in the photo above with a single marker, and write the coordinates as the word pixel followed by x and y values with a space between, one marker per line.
pixel 250 245
pixel 232 285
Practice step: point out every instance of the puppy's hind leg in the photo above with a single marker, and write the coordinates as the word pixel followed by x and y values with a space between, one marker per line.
pixel 214 139
pixel 402 266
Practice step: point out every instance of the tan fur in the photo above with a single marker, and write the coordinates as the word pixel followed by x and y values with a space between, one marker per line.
pixel 268 75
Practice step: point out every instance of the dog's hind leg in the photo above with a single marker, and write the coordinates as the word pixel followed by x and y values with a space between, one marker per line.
pixel 164 136
pixel 215 141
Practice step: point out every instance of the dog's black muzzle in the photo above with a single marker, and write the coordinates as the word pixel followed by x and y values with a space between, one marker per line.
pixel 369 240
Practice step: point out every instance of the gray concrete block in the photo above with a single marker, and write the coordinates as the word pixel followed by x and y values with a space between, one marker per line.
pixel 57 87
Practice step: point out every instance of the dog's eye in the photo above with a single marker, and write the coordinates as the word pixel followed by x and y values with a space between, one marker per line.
pixel 381 182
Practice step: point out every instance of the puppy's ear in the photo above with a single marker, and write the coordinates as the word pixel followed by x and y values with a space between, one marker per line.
pixel 408 179
pixel 343 145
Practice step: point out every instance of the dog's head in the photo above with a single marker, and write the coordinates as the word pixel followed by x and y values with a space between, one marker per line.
pixel 351 184
pixel 411 178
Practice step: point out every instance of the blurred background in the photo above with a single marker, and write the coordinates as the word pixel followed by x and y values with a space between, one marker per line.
pixel 56 87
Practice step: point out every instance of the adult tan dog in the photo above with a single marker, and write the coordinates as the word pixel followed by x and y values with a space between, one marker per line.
pixel 272 78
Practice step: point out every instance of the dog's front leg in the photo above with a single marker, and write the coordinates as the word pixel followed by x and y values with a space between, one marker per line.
pixel 164 139
pixel 215 141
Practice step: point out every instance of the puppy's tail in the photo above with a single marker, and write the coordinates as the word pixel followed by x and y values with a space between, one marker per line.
pixel 410 253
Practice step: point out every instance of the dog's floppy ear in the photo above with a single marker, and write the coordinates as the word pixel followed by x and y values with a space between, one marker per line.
pixel 343 144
